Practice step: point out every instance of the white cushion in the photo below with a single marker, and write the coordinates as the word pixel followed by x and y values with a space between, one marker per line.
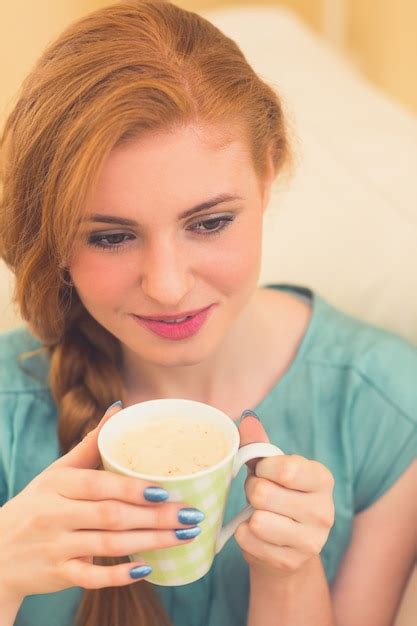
pixel 346 225
pixel 8 317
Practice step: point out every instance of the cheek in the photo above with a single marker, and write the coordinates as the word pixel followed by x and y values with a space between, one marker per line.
pixel 239 258
pixel 100 278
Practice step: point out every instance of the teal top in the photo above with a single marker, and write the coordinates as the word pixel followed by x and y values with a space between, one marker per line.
pixel 349 400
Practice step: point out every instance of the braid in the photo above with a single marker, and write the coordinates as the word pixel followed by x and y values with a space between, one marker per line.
pixel 104 81
pixel 84 378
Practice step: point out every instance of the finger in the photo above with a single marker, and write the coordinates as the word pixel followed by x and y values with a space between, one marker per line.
pixel 315 508
pixel 93 484
pixel 295 472
pixel 266 495
pixel 280 558
pixel 108 543
pixel 251 431
pixel 86 453
pixel 89 576
pixel 282 531
pixel 115 515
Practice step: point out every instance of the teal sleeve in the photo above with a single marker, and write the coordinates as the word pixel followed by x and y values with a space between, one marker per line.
pixel 384 443
pixel 6 404
pixel 3 488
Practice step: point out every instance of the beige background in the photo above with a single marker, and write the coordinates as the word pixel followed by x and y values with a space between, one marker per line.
pixel 379 35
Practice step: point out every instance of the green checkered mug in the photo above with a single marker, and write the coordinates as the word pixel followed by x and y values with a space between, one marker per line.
pixel 206 490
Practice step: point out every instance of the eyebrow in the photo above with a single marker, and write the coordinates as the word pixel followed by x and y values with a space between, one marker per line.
pixel 112 219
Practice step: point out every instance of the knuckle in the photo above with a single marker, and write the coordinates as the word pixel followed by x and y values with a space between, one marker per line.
pixel 46 479
pixel 91 577
pixel 324 517
pixel 129 489
pixel 241 533
pixel 67 572
pixel 286 563
pixel 109 515
pixel 313 545
pixel 40 521
pixel 326 477
pixel 291 469
pixel 89 484
pixel 85 581
pixel 51 552
pixel 112 578
pixel 259 495
pixel 158 516
pixel 257 523
pixel 108 544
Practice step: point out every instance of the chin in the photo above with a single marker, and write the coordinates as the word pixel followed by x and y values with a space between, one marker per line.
pixel 176 354
pixel 194 357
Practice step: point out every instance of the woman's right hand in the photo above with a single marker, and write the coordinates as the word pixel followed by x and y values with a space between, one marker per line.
pixel 71 512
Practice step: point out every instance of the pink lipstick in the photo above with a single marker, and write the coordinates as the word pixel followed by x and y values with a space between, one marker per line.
pixel 176 329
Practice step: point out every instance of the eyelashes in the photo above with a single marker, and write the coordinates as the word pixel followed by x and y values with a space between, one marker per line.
pixel 116 241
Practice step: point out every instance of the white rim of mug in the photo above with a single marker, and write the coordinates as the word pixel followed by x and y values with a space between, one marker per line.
pixel 154 477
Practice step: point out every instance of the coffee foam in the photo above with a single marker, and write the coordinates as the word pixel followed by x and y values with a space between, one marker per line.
pixel 171 447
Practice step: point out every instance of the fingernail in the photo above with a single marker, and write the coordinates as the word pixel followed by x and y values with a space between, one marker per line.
pixel 190 516
pixel 119 403
pixel 155 494
pixel 249 412
pixel 188 533
pixel 140 571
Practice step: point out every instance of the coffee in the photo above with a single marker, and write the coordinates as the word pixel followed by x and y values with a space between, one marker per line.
pixel 171 447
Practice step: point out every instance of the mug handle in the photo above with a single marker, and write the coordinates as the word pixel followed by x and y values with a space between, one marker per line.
pixel 244 454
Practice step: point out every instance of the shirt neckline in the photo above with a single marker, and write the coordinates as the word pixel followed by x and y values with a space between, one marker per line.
pixel 305 343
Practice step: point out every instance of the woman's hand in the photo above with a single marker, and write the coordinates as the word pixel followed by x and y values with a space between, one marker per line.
pixel 294 512
pixel 71 512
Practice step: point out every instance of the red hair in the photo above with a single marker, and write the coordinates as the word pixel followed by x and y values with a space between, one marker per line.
pixel 113 75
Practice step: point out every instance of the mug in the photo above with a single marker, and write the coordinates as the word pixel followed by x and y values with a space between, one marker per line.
pixel 206 490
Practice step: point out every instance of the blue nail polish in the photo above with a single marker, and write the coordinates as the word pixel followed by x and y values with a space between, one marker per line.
pixel 248 412
pixel 188 533
pixel 155 494
pixel 140 572
pixel 190 516
pixel 119 403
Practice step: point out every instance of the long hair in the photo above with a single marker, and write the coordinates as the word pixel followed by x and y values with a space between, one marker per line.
pixel 112 76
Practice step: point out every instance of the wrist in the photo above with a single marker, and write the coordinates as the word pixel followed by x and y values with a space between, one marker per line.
pixel 10 604
pixel 276 578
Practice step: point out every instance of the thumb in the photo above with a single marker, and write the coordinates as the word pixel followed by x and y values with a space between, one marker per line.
pixel 251 431
pixel 86 453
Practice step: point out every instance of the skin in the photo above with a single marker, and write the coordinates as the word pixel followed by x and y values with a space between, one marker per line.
pixel 165 266
pixel 171 265
pixel 169 268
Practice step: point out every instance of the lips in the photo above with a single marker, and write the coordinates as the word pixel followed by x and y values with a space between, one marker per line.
pixel 173 317
pixel 169 329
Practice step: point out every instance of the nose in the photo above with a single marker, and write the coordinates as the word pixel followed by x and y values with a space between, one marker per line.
pixel 166 274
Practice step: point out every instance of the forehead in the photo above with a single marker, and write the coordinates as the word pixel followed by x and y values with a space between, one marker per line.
pixel 187 163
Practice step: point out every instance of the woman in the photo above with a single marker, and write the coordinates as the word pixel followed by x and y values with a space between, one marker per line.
pixel 138 164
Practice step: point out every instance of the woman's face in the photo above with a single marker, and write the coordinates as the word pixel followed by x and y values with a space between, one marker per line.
pixel 138 254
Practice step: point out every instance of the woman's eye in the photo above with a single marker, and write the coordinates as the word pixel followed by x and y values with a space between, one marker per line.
pixel 117 241
pixel 212 226
pixel 110 241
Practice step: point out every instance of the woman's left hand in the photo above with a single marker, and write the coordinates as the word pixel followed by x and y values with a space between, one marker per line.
pixel 294 512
